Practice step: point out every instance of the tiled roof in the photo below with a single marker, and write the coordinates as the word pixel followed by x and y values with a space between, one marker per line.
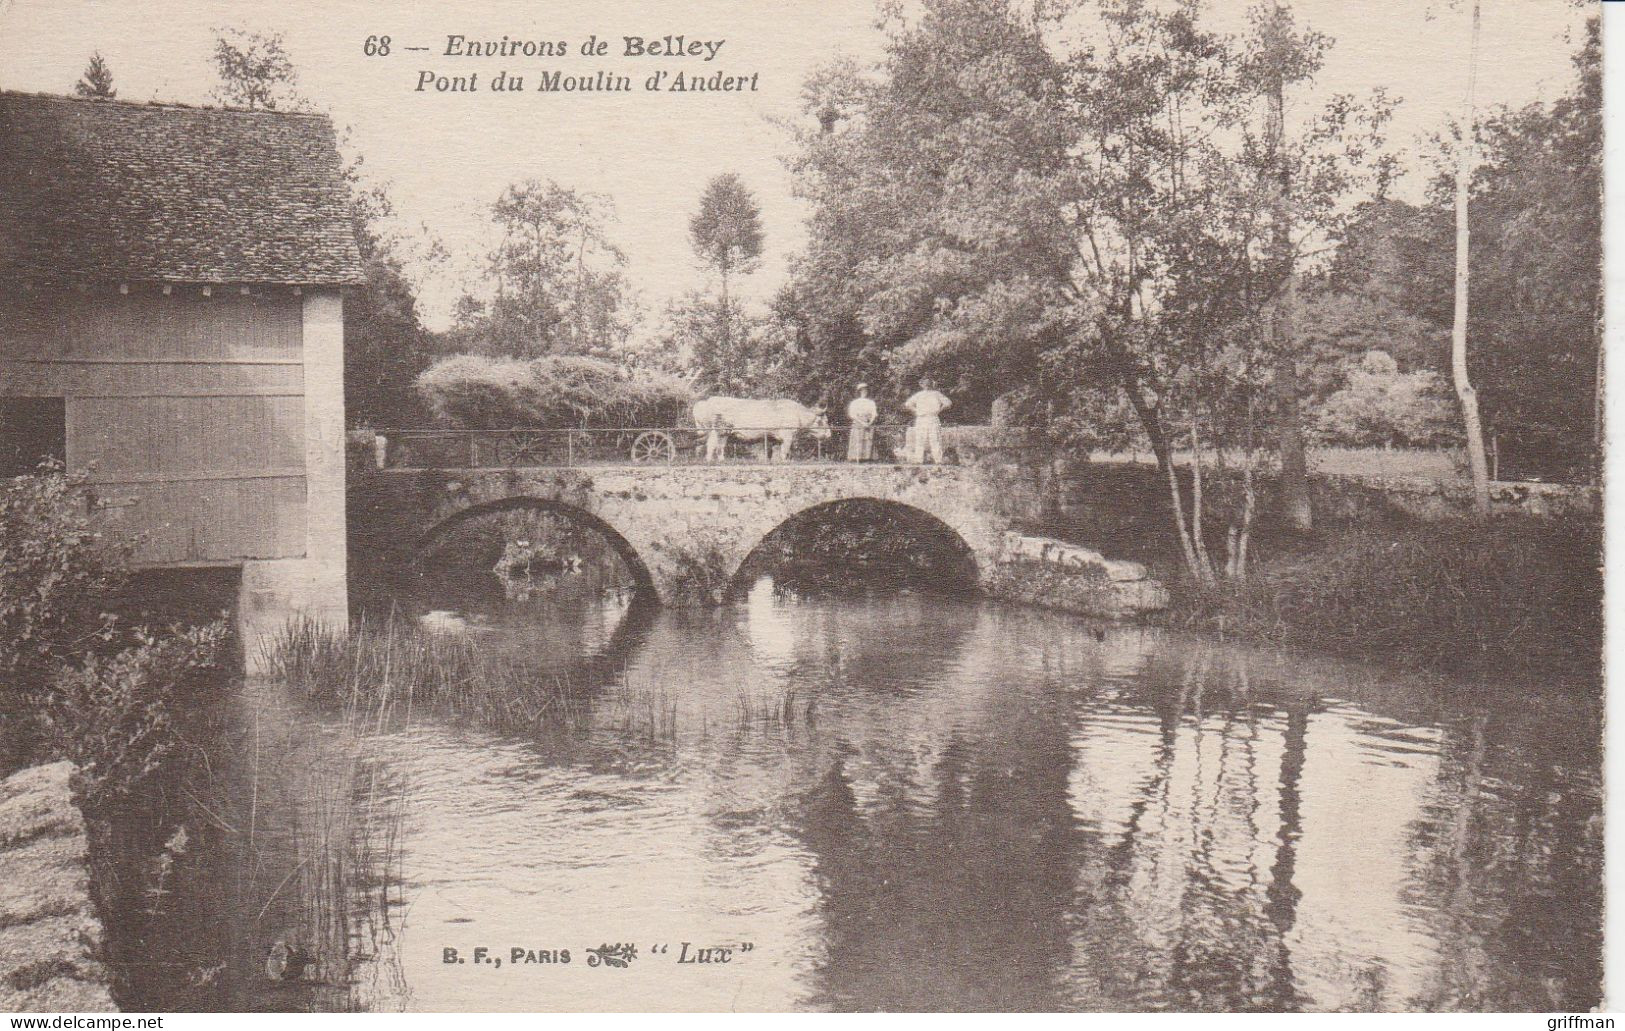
pixel 105 190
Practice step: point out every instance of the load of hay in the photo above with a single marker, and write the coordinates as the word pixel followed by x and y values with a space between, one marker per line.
pixel 551 392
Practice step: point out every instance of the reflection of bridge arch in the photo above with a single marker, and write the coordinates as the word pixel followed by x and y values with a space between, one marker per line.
pixel 437 535
pixel 961 568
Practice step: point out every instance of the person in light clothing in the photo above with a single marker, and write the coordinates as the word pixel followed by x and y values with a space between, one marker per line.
pixel 860 444
pixel 927 405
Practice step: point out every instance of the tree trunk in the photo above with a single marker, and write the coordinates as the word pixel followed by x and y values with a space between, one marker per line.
pixel 1198 538
pixel 581 289
pixel 1458 335
pixel 727 321
pixel 1296 508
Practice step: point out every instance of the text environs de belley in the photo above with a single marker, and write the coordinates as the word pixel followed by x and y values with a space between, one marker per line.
pixel 458 45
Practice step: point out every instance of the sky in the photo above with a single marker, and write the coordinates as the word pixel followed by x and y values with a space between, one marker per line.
pixel 447 156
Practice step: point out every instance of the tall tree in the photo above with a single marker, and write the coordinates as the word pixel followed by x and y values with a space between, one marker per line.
pixel 1091 225
pixel 254 70
pixel 97 81
pixel 726 234
pixel 1285 57
pixel 1465 393
pixel 554 279
pixel 386 344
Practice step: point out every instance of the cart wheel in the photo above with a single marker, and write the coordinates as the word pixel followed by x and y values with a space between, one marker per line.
pixel 522 449
pixel 653 446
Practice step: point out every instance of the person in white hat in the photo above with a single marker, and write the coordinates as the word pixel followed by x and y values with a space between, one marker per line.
pixel 860 442
pixel 927 405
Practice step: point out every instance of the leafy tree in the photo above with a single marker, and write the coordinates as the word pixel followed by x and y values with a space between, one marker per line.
pixel 744 359
pixel 1093 224
pixel 934 243
pixel 554 279
pixel 97 80
pixel 254 71
pixel 386 345
pixel 726 234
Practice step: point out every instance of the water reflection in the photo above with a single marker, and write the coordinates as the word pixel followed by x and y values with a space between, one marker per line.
pixel 907 801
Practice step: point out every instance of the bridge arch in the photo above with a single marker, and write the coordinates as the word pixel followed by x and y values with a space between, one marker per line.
pixel 960 563
pixel 438 534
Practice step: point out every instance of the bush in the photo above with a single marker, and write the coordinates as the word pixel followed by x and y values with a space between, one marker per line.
pixel 57 576
pixel 1379 405
pixel 115 717
pixel 77 683
pixel 1520 596
pixel 702 574
pixel 557 391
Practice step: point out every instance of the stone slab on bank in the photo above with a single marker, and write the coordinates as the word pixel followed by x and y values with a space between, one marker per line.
pixel 1053 574
pixel 49 933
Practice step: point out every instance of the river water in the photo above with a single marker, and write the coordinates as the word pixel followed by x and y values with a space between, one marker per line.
pixel 895 800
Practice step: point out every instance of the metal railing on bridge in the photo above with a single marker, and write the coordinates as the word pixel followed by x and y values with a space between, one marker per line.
pixel 665 445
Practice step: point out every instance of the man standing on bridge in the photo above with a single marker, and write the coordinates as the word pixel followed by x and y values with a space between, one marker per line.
pixel 927 405
pixel 860 444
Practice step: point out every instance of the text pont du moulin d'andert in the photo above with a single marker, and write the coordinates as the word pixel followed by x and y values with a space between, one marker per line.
pixel 597 81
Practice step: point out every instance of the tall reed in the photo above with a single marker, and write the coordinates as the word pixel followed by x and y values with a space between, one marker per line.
pixel 384 669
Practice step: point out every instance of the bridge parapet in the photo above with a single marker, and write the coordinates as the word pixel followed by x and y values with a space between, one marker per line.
pixel 443 448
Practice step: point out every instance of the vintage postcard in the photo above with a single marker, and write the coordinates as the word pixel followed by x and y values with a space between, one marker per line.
pixel 856 505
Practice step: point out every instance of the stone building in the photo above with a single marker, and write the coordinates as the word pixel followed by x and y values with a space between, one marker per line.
pixel 171 325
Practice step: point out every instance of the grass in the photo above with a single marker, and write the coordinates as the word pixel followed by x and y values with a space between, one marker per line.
pixel 778 711
pixel 652 713
pixel 388 668
pixel 648 712
pixel 378 673
pixel 1520 596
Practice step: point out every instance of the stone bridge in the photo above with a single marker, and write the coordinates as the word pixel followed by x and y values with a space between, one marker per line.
pixel 661 518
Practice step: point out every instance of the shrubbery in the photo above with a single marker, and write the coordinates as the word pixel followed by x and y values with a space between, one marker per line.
pixel 1379 405
pixel 115 716
pixel 57 576
pixel 75 681
pixel 1520 596
pixel 556 391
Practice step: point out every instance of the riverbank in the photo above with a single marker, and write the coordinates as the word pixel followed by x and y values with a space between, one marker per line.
pixel 1521 597
pixel 50 937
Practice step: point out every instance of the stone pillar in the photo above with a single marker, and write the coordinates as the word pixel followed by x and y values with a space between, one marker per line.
pixel 275 591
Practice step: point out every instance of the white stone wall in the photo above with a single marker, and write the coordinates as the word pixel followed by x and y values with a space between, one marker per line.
pixel 314 586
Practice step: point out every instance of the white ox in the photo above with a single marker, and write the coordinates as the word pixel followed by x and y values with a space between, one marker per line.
pixel 782 419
